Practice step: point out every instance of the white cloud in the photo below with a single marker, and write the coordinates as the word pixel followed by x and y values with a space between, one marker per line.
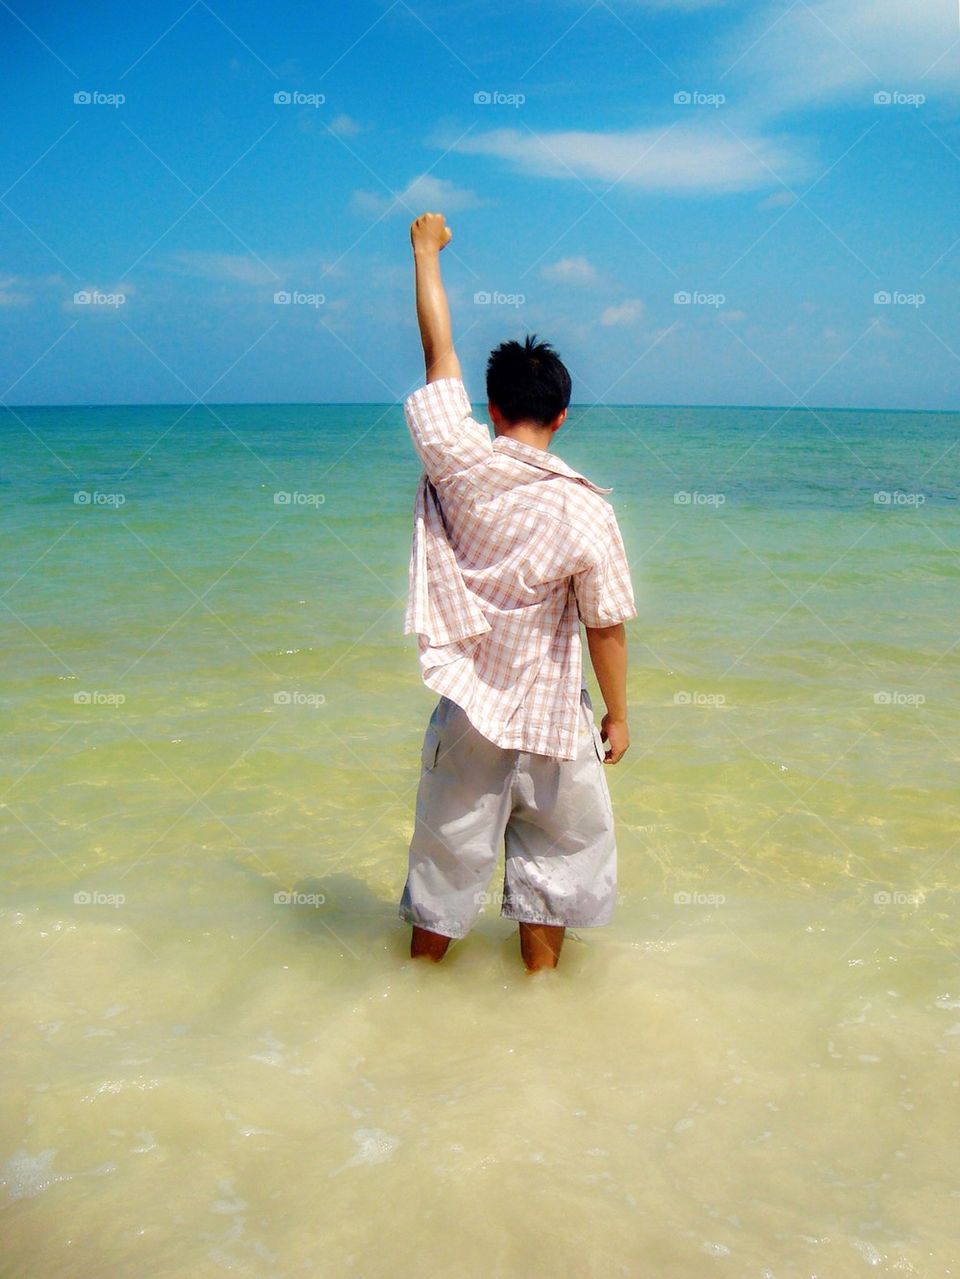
pixel 422 194
pixel 10 296
pixel 344 126
pixel 626 313
pixel 779 200
pixel 238 268
pixel 571 271
pixel 825 50
pixel 687 158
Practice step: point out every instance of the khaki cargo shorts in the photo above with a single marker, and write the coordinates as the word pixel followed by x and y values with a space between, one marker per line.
pixel 553 817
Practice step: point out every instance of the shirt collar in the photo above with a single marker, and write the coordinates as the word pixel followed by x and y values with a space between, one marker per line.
pixel 543 459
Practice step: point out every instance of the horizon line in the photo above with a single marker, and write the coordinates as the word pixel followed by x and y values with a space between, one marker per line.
pixel 625 404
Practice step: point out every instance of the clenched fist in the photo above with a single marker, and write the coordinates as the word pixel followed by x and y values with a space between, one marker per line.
pixel 430 231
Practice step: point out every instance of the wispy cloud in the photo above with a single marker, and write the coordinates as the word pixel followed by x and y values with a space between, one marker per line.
pixel 623 314
pixel 828 50
pixel 571 271
pixel 779 200
pixel 9 296
pixel 691 159
pixel 344 126
pixel 424 192
pixel 239 268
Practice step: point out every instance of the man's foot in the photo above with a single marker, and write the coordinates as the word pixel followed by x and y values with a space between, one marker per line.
pixel 540 945
pixel 427 945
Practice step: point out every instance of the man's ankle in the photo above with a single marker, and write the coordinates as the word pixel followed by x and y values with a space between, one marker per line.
pixel 427 945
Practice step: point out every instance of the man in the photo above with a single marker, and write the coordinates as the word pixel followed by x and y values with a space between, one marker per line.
pixel 512 548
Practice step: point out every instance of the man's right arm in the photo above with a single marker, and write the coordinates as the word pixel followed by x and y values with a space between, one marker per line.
pixel 429 234
pixel 444 432
pixel 608 653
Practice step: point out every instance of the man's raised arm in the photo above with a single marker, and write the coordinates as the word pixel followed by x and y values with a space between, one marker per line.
pixel 429 234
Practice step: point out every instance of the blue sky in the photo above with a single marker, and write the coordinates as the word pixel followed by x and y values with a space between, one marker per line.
pixel 622 156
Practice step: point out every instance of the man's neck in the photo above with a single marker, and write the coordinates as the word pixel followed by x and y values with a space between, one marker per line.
pixel 536 436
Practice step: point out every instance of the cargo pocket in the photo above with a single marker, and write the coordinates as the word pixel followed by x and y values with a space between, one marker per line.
pixel 431 746
pixel 598 745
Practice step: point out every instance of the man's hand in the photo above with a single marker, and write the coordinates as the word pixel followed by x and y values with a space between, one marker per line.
pixel 615 733
pixel 428 232
pixel 608 652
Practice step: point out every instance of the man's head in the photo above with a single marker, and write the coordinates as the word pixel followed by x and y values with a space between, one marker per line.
pixel 528 390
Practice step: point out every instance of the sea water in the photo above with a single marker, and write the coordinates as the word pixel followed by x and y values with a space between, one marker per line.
pixel 218 1058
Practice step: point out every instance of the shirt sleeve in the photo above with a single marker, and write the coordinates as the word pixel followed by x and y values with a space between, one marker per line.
pixel 602 587
pixel 447 438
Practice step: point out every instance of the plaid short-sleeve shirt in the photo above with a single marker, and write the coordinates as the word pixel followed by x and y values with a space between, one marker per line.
pixel 511 549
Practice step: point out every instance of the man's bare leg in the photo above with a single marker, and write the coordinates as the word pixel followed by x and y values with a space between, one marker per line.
pixel 427 945
pixel 540 945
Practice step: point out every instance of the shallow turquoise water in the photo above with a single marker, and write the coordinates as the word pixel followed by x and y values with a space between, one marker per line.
pixel 752 1071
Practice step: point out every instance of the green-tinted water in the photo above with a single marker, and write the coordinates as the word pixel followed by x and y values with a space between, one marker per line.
pixel 751 1072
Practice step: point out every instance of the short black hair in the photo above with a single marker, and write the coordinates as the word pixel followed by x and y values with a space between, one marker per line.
pixel 528 383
